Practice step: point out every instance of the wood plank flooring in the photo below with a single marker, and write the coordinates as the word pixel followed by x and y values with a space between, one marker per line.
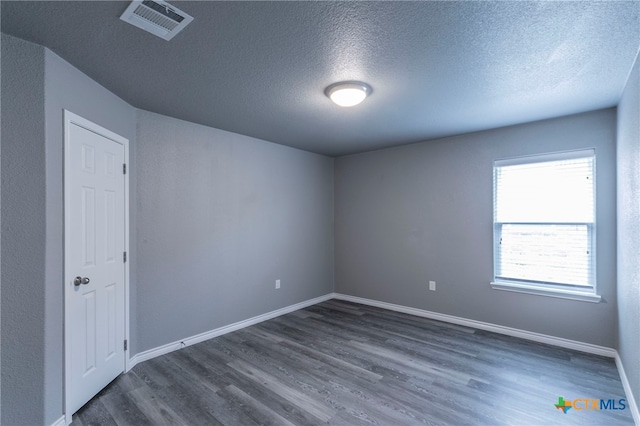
pixel 341 363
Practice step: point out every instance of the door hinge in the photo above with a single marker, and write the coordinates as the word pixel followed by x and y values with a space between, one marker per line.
pixel 124 257
pixel 124 169
pixel 125 345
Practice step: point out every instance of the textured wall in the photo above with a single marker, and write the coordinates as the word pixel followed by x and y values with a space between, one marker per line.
pixel 38 85
pixel 0 216
pixel 23 233
pixel 425 212
pixel 68 88
pixel 222 216
pixel 629 230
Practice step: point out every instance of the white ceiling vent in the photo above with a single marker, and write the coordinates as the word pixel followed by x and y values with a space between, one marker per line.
pixel 157 17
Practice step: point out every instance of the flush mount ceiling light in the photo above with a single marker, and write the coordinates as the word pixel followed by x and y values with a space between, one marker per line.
pixel 348 93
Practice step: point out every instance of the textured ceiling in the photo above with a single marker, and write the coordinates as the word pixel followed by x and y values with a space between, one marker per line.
pixel 436 68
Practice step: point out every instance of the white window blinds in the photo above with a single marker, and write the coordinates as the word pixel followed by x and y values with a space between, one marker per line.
pixel 544 215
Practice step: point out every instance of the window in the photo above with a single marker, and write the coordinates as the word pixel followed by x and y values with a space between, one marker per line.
pixel 544 219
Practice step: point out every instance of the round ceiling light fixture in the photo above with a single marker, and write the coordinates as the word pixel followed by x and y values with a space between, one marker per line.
pixel 348 93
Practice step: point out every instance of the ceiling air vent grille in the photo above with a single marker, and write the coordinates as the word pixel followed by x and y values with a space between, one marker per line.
pixel 157 17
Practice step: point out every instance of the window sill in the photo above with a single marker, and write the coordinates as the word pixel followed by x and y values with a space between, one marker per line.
pixel 550 292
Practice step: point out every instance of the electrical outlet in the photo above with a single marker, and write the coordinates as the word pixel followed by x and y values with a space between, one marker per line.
pixel 432 285
pixel 277 284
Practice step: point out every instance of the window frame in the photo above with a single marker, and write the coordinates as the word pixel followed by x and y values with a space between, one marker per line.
pixel 566 291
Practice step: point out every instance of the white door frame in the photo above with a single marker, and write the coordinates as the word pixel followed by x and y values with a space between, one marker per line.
pixel 69 119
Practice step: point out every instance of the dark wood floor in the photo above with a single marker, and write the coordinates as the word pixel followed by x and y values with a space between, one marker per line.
pixel 341 363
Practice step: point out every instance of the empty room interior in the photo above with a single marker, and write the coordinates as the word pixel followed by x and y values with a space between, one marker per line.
pixel 346 213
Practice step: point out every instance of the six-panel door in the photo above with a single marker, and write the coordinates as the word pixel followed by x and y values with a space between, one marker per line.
pixel 95 271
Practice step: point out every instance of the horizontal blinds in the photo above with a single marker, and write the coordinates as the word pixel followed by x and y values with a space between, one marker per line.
pixel 560 191
pixel 544 212
pixel 559 254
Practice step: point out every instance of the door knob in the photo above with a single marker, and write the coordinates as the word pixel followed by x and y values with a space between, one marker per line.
pixel 81 280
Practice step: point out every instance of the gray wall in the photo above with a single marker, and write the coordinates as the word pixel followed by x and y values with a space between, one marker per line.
pixel 222 216
pixel 264 211
pixel 38 85
pixel 424 212
pixel 23 233
pixel 629 230
pixel 225 215
pixel 0 216
pixel 68 88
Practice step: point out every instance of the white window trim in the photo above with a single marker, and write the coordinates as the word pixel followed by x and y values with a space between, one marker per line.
pixel 589 294
pixel 584 296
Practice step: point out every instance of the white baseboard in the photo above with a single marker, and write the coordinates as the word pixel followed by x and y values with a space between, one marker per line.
pixel 188 341
pixel 509 331
pixel 536 337
pixel 631 402
pixel 62 421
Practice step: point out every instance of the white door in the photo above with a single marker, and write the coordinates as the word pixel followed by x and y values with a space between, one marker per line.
pixel 95 275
